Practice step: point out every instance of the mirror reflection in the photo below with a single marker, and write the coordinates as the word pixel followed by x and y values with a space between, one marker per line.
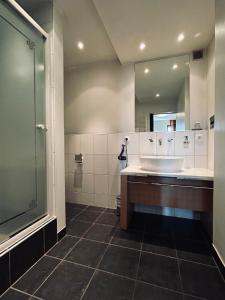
pixel 162 96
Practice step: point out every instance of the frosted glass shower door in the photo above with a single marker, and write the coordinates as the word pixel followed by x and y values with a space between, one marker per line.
pixel 21 142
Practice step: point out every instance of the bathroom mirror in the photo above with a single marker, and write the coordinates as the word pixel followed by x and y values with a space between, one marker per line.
pixel 162 96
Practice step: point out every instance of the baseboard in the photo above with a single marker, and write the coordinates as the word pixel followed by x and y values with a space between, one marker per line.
pixel 219 261
pixel 61 233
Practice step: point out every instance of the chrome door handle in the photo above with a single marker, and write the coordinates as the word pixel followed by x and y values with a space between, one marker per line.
pixel 41 127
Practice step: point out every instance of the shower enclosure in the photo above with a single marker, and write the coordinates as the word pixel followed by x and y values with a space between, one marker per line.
pixel 22 119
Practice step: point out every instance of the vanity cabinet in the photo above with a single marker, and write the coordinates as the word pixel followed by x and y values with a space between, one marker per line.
pixel 175 192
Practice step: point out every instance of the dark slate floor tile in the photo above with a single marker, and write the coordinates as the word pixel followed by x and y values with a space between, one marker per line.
pixel 120 261
pixel 106 286
pixel 72 213
pixel 31 280
pixel 68 282
pixel 187 297
pixel 159 225
pixel 87 253
pixel 95 208
pixel 63 247
pixel 188 229
pixel 128 238
pixel 110 210
pixel 88 216
pixel 78 228
pixel 196 251
pixel 160 270
pixel 159 244
pixel 203 281
pixel 15 295
pixel 108 219
pixel 101 233
pixel 75 206
pixel 148 292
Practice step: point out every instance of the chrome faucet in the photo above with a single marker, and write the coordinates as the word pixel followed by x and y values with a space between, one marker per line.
pixel 151 140
pixel 169 140
pixel 160 142
pixel 186 141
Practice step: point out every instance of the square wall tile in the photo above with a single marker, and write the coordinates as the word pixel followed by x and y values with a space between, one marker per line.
pixel 101 184
pixel 87 199
pixel 74 144
pixel 114 185
pixel 88 183
pixel 189 162
pixel 100 164
pixel 100 144
pixel 115 140
pixel 112 201
pixel 66 141
pixel 71 163
pixel 73 197
pixel 66 163
pixel 133 160
pixel 87 144
pixel 133 143
pixel 88 164
pixel 75 182
pixel 165 143
pixel 147 143
pixel 201 142
pixel 100 200
pixel 114 165
pixel 181 148
pixel 201 162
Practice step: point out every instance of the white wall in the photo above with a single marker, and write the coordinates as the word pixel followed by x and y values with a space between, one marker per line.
pixel 210 79
pixel 99 98
pixel 219 181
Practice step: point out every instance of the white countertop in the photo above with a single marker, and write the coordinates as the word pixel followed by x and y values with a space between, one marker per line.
pixel 203 174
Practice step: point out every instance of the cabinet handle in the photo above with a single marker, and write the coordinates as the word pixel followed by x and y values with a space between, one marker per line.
pixel 171 185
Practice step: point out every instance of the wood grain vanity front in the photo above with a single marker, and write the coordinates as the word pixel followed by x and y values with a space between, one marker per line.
pixel 175 192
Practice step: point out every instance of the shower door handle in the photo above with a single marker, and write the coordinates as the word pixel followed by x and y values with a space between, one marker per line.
pixel 42 127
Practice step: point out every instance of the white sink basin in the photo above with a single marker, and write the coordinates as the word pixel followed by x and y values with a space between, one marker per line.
pixel 162 163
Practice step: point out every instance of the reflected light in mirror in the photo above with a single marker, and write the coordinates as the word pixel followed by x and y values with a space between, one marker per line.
pixel 197 34
pixel 80 45
pixel 175 66
pixel 146 71
pixel 142 46
pixel 180 37
pixel 157 95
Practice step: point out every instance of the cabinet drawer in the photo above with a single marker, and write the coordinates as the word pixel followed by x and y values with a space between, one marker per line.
pixel 191 197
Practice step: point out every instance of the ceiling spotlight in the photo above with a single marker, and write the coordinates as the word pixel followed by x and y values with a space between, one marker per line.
pixel 157 95
pixel 142 46
pixel 146 71
pixel 175 66
pixel 180 37
pixel 80 45
pixel 197 35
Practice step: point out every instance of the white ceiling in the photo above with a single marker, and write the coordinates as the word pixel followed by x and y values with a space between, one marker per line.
pixel 112 29
pixel 82 23
pixel 161 79
pixel 157 23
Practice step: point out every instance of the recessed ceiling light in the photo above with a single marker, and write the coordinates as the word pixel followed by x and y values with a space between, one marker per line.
pixel 157 95
pixel 142 46
pixel 146 71
pixel 180 37
pixel 80 45
pixel 175 66
pixel 197 34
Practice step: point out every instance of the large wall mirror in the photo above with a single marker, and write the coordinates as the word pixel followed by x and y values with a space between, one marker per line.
pixel 162 94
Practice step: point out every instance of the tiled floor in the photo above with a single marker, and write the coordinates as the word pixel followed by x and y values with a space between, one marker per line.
pixel 159 258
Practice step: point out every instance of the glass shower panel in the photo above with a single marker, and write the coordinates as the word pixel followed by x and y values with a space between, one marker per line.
pixel 17 127
pixel 22 110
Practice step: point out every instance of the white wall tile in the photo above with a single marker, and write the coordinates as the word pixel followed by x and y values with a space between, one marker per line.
pixel 112 201
pixel 100 144
pixel 101 184
pixel 181 148
pixel 101 164
pixel 88 183
pixel 189 162
pixel 66 163
pixel 73 197
pixel 100 200
pixel 201 162
pixel 114 165
pixel 87 144
pixel 133 143
pixel 201 142
pixel 88 164
pixel 114 185
pixel 87 199
pixel 167 143
pixel 66 141
pixel 74 143
pixel 114 143
pixel 147 147
pixel 71 163
pixel 133 160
